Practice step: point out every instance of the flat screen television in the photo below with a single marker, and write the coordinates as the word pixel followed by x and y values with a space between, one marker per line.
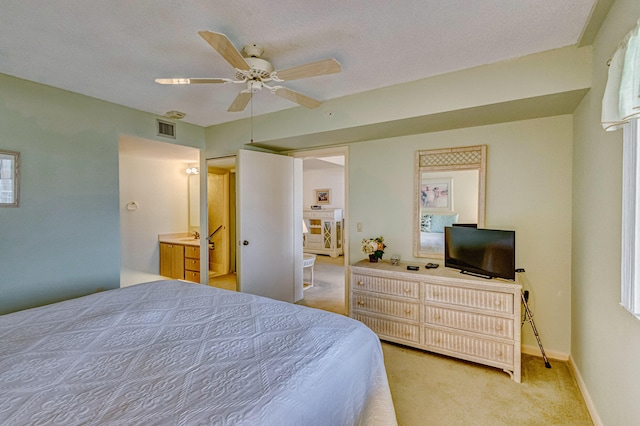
pixel 489 253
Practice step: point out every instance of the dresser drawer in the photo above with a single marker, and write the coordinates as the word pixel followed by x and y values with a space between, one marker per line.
pixel 471 298
pixel 192 252
pixel 319 214
pixel 380 305
pixel 388 286
pixel 192 276
pixel 391 329
pixel 474 347
pixel 192 265
pixel 469 321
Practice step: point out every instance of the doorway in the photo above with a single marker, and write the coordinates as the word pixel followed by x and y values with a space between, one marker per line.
pixel 221 220
pixel 155 198
pixel 325 185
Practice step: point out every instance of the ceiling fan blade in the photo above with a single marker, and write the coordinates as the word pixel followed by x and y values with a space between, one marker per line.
pixel 240 102
pixel 298 98
pixel 226 49
pixel 327 66
pixel 191 80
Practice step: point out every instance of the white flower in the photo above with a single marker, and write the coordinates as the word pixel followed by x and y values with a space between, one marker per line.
pixel 373 246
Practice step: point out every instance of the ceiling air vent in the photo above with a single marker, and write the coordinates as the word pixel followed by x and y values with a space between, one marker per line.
pixel 167 129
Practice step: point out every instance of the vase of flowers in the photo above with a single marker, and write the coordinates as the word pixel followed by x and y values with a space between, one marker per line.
pixel 374 247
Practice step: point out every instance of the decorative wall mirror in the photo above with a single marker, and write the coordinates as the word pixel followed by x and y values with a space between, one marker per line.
pixel 9 178
pixel 449 189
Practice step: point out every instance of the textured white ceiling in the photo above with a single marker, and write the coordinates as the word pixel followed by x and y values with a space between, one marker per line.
pixel 114 49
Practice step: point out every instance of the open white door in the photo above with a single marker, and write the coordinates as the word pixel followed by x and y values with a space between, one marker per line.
pixel 269 243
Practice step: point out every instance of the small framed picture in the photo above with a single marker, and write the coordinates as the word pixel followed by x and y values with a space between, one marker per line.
pixel 436 194
pixel 323 196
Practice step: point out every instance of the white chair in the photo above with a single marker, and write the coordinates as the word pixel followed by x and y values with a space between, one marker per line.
pixel 308 261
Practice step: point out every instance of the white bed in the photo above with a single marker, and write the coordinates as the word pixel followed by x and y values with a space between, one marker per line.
pixel 432 242
pixel 170 352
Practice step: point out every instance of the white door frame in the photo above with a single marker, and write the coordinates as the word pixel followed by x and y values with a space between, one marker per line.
pixel 326 152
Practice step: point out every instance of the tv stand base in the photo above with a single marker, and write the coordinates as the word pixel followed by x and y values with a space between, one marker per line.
pixel 473 274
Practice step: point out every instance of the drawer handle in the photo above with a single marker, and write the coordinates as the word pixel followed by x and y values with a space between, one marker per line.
pixel 407 311
pixel 436 317
pixel 498 327
pixel 406 333
pixel 436 293
pixel 498 302
pixel 498 352
pixel 360 283
pixel 360 303
pixel 406 290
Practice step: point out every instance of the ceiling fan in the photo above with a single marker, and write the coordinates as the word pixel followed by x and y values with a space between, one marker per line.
pixel 256 72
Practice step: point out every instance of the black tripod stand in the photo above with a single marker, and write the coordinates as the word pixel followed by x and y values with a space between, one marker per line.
pixel 529 317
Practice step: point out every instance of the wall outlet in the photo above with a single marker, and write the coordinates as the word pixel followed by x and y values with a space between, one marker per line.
pixel 359 226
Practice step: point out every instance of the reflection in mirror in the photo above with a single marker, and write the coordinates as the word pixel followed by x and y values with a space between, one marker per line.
pixel 9 178
pixel 449 189
pixel 194 202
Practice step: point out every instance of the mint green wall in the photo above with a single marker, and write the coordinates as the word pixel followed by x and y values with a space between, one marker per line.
pixel 528 190
pixel 63 241
pixel 605 338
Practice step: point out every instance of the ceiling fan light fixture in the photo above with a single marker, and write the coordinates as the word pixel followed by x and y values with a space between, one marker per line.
pixel 257 72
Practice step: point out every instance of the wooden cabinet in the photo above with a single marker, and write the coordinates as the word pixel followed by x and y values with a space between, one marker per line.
pixel 172 260
pixel 181 262
pixel 325 232
pixel 441 311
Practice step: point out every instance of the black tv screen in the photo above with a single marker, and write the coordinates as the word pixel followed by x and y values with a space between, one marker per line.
pixel 489 253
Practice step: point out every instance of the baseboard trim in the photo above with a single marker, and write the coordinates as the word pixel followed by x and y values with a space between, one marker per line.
pixel 535 351
pixel 585 393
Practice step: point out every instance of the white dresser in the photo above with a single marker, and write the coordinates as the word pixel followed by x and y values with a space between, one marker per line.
pixel 440 310
pixel 325 232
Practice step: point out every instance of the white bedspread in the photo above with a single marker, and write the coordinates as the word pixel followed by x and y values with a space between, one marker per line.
pixel 174 353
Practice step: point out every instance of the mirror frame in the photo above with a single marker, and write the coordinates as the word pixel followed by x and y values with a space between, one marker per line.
pixel 448 159
pixel 14 158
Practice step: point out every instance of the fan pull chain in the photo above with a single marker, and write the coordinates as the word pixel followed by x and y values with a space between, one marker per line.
pixel 251 119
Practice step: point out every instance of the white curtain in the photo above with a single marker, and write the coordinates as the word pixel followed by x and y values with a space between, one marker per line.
pixel 621 101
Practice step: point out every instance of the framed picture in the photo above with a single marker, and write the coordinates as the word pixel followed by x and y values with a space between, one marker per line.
pixel 323 196
pixel 9 178
pixel 436 194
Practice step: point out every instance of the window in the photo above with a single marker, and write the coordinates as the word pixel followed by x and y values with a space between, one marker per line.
pixel 9 167
pixel 630 293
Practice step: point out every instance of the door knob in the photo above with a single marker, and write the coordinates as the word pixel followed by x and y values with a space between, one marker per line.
pixel 245 243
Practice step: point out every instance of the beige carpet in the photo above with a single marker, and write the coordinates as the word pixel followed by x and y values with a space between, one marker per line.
pixel 430 389
pixel 327 292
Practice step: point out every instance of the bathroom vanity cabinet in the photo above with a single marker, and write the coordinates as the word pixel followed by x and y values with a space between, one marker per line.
pixel 180 261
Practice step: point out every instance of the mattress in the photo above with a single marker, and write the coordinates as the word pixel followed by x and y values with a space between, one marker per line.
pixel 170 352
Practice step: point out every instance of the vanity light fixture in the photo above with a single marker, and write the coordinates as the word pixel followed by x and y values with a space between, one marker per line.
pixel 193 171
